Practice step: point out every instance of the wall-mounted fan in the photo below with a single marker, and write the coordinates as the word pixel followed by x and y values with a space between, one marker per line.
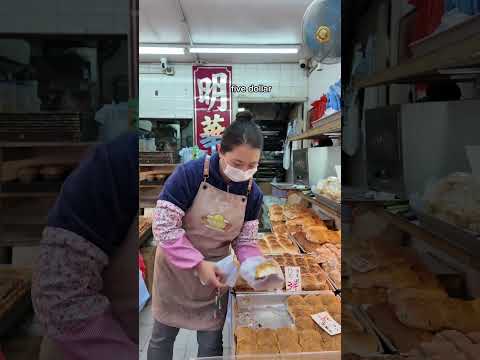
pixel 322 33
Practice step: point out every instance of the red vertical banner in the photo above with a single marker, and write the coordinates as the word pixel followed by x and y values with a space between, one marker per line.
pixel 212 103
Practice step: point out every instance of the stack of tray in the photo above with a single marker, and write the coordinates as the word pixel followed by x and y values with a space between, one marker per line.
pixel 45 126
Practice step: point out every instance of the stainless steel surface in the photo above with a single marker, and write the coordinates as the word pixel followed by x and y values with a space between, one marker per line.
pixel 300 166
pixel 458 237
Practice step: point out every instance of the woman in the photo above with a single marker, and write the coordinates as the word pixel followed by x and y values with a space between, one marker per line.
pixel 88 248
pixel 206 206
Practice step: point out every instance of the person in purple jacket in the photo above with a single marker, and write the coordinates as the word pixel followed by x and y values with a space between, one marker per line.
pixel 207 207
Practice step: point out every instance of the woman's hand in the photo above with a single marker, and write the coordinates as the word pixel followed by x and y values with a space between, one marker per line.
pixel 209 274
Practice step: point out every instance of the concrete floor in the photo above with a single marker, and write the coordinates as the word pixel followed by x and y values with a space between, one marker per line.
pixel 186 344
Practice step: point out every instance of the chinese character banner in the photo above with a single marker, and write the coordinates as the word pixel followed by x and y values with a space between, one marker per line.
pixel 212 101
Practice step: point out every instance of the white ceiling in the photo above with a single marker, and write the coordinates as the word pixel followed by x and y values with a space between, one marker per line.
pixel 223 22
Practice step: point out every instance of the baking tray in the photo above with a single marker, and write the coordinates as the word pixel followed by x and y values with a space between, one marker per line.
pixel 335 206
pixel 367 327
pixel 327 355
pixel 387 343
pixel 461 238
pixel 267 310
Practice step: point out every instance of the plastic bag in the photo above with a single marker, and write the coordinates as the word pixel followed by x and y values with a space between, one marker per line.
pixel 143 294
pixel 330 187
pixel 269 283
pixel 230 269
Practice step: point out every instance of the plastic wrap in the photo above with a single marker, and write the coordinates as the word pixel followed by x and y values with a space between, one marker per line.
pixel 454 199
pixel 230 269
pixel 330 187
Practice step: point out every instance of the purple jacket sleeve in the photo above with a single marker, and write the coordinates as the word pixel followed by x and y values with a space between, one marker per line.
pixel 245 244
pixel 169 234
pixel 66 295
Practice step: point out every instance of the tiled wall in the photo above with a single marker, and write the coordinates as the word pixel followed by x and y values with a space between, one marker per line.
pixel 164 96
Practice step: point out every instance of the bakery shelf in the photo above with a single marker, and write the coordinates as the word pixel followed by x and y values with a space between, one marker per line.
pixel 419 232
pixel 22 144
pixel 334 214
pixel 13 238
pixel 329 124
pixel 433 65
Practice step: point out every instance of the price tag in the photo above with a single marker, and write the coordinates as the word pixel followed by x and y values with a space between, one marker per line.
pixel 293 278
pixel 327 323
pixel 361 264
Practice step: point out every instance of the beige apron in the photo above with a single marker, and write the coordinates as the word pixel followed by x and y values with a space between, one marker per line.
pixel 123 299
pixel 213 221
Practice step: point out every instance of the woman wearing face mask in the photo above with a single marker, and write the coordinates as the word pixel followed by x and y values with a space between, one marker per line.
pixel 206 206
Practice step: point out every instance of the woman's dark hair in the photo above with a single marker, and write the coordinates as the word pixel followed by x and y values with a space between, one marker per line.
pixel 242 131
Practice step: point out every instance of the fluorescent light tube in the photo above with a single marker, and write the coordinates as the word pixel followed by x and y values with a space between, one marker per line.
pixel 243 50
pixel 161 50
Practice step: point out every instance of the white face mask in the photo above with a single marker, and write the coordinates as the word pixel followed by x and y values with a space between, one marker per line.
pixel 237 175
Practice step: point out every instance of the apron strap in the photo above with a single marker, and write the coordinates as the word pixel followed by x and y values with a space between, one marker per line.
pixel 250 183
pixel 206 168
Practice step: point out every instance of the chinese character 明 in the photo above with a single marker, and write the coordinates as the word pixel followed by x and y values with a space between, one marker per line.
pixel 211 90
pixel 212 130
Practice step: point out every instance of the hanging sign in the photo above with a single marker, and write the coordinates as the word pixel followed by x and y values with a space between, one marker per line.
pixel 212 103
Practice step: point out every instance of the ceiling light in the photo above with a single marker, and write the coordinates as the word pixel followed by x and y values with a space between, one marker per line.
pixel 244 50
pixel 161 50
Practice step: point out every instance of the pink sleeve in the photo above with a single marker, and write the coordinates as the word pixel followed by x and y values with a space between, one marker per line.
pixel 245 245
pixel 102 338
pixel 169 234
pixel 66 296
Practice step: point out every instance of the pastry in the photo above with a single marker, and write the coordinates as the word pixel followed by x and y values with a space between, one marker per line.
pixel 295 300
pixel 266 336
pixel 404 338
pixel 286 335
pixel 267 268
pixel 289 348
pixel 279 229
pixel 370 296
pixel 474 337
pixel 246 348
pixel 313 300
pixel 299 311
pixel 245 333
pixel 267 349
pixel 305 323
pixel 277 217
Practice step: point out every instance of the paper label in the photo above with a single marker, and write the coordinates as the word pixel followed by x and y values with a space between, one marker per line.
pixel 361 264
pixel 327 323
pixel 293 278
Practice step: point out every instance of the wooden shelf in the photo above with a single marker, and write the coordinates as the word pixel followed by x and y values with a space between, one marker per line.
pixel 11 238
pixel 17 144
pixel 329 124
pixel 28 195
pixel 457 54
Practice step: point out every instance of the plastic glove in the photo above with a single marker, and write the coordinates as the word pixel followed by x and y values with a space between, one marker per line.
pixel 248 270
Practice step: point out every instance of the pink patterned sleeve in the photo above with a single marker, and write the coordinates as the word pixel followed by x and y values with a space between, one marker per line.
pixel 171 237
pixel 67 300
pixel 245 245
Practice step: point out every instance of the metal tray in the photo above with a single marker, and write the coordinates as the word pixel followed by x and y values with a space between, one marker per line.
pixel 358 313
pixel 327 355
pixel 335 206
pixel 461 238
pixel 387 343
pixel 262 309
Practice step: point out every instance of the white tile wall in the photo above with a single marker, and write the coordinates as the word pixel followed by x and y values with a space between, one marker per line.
pixel 175 93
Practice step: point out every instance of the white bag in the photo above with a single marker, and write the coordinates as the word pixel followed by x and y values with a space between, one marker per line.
pixel 230 269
